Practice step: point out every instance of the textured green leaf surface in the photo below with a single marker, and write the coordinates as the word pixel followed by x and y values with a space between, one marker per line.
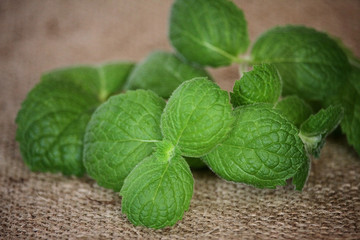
pixel 261 85
pixel 208 32
pixel 121 133
pixel 158 191
pixel 53 117
pixel 311 64
pixel 315 129
pixel 197 117
pixel 301 176
pixel 263 149
pixel 350 99
pixel 162 73
pixel 294 109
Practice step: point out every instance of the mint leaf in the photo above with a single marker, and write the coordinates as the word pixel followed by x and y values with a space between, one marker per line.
pixel 53 117
pixel 263 148
pixel 310 63
pixel 208 32
pixel 353 59
pixel 349 97
pixel 102 80
pixel 315 129
pixel 302 175
pixel 158 191
pixel 121 133
pixel 195 163
pixel 261 85
pixel 294 109
pixel 197 117
pixel 162 73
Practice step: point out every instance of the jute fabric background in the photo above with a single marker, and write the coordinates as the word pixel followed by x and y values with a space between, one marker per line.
pixel 39 35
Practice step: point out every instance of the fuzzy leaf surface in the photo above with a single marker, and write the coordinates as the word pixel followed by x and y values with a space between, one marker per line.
pixel 158 191
pixel 263 149
pixel 261 85
pixel 197 117
pixel 121 133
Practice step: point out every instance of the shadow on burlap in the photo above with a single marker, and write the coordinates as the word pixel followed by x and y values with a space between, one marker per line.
pixel 37 36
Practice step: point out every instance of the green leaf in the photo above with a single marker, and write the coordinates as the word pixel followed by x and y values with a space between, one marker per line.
pixel 349 97
pixel 302 175
pixel 162 73
pixel 294 109
pixel 53 117
pixel 353 59
pixel 261 85
pixel 263 148
pixel 195 163
pixel 121 133
pixel 208 32
pixel 158 191
pixel 102 80
pixel 315 129
pixel 310 63
pixel 197 117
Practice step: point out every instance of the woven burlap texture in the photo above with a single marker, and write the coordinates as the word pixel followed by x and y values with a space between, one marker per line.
pixel 37 36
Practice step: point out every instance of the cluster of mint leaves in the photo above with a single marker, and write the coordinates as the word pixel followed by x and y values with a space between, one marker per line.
pixel 78 120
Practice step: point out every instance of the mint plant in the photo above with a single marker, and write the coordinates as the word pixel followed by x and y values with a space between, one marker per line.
pixel 141 145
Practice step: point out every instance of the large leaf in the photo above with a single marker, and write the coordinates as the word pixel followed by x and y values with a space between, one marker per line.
pixel 121 133
pixel 197 117
pixel 208 32
pixel 158 191
pixel 311 64
pixel 53 117
pixel 263 149
pixel 162 73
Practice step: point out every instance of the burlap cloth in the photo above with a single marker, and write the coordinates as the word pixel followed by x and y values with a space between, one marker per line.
pixel 37 36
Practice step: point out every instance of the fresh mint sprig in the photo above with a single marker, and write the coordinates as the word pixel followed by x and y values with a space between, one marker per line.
pixel 137 143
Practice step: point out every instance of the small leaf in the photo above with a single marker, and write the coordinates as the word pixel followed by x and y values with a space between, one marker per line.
pixel 263 149
pixel 121 133
pixel 197 117
pixel 53 117
pixel 208 32
pixel 311 64
pixel 261 85
pixel 315 129
pixel 294 109
pixel 301 176
pixel 162 73
pixel 159 189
